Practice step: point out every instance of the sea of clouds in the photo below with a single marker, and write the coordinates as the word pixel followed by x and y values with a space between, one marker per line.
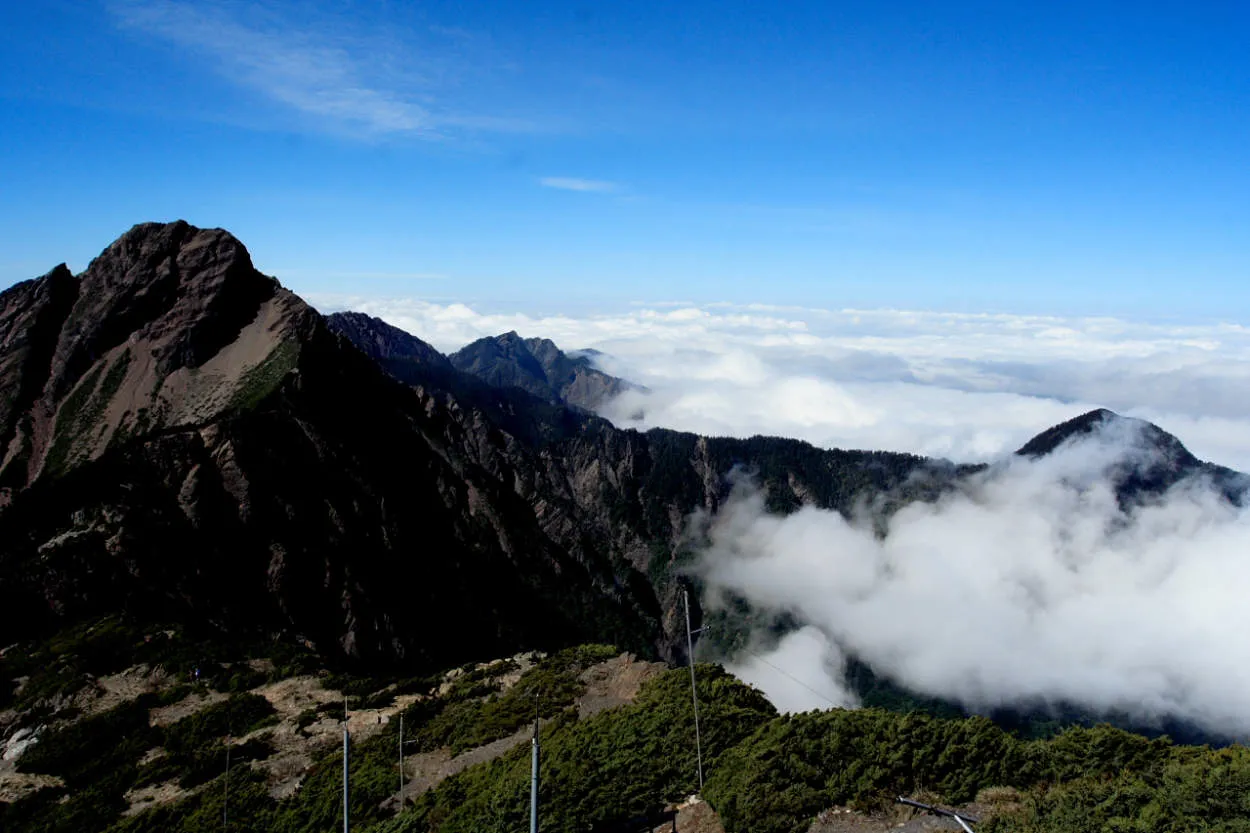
pixel 966 387
pixel 1031 583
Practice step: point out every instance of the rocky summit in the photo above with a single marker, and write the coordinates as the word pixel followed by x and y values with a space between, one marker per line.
pixel 537 365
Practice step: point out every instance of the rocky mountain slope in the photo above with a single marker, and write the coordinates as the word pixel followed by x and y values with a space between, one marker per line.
pixel 538 366
pixel 183 437
pixel 399 353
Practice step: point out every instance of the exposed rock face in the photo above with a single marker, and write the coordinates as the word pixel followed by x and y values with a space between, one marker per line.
pixel 167 328
pixel 536 365
pixel 185 438
pixel 401 354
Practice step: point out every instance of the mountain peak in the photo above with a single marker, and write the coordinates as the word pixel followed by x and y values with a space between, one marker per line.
pixel 1053 437
pixel 1151 462
pixel 148 251
pixel 538 366
pixel 1148 436
pixel 161 329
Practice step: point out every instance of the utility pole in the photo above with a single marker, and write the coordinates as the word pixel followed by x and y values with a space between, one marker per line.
pixel 346 758
pixel 401 762
pixel 694 689
pixel 534 772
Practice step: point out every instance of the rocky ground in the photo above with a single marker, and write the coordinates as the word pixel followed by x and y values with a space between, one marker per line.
pixel 693 816
pixel 609 684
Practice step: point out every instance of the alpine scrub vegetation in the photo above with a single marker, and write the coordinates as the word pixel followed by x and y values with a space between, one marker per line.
pixel 1098 778
pixel 766 773
pixel 617 764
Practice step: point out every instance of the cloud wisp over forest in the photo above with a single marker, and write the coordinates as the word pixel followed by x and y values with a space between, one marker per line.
pixel 1028 585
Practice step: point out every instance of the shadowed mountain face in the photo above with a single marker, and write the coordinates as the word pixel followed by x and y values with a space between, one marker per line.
pixel 536 365
pixel 1152 462
pixel 184 438
pixel 388 345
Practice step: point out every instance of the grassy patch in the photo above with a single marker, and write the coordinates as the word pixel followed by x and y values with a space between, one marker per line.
pixel 69 425
pixel 80 414
pixel 262 379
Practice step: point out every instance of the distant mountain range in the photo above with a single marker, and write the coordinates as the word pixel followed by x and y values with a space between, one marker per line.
pixel 181 437
pixel 534 365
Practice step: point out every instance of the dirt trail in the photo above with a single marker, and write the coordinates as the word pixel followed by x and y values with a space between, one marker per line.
pixel 15 785
pixel 187 706
pixel 152 795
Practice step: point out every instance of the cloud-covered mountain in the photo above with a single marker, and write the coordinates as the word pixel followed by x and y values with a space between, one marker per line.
pixel 1097 573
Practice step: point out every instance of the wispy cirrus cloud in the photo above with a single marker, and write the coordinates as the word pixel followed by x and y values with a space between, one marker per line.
pixel 341 81
pixel 572 183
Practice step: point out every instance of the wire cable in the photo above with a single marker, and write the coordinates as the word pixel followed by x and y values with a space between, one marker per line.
pixel 795 679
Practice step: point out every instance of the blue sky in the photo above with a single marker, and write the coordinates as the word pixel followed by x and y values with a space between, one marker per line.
pixel 1076 158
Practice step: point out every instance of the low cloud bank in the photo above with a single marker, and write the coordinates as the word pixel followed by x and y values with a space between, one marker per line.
pixel 1029 584
pixel 965 387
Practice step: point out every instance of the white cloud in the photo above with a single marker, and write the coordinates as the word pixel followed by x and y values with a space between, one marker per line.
pixel 1029 585
pixel 569 183
pixel 341 81
pixel 966 387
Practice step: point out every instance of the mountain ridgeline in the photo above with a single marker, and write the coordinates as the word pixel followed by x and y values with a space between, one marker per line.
pixel 181 437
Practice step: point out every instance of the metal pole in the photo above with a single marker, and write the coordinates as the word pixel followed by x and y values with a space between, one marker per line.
pixel 401 762
pixel 346 758
pixel 694 690
pixel 225 802
pixel 534 773
pixel 959 818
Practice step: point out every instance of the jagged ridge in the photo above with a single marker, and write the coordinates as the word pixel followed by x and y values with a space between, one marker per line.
pixel 205 445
